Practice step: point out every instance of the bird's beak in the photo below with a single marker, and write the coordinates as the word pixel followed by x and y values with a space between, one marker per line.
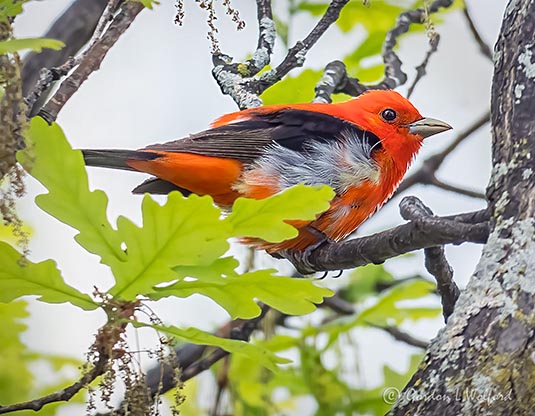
pixel 427 127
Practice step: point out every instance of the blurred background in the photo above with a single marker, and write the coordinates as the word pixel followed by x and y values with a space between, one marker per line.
pixel 156 85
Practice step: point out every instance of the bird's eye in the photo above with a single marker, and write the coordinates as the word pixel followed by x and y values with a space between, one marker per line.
pixel 389 115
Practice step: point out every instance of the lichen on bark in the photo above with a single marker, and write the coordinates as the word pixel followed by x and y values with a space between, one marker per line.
pixel 483 361
pixel 13 124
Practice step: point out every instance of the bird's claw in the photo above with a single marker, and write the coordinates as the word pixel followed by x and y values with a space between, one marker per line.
pixel 301 258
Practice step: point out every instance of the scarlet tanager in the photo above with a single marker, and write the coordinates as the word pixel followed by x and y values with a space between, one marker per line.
pixel 361 148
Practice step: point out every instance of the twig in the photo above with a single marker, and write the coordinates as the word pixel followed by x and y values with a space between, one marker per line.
pixel 91 60
pixel 242 332
pixel 457 189
pixel 193 359
pixel 426 173
pixel 63 395
pixel 338 305
pixel 401 336
pixel 296 55
pixel 435 259
pixel 376 248
pixel 483 47
pixel 421 69
pixel 336 79
pixel 394 75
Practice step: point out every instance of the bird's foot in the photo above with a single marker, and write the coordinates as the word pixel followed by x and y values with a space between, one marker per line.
pixel 301 258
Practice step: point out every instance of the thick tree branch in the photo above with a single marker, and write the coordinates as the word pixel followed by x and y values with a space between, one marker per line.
pixel 74 28
pixel 237 80
pixel 231 77
pixel 435 259
pixel 376 248
pixel 91 60
pixel 296 55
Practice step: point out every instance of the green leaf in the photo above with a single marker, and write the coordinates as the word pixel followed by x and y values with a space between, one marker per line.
pixel 10 8
pixel 293 89
pixel 365 281
pixel 282 30
pixel 149 4
pixel 266 218
pixel 20 277
pixel 184 231
pixel 380 15
pixel 238 293
pixel 35 44
pixel 260 355
pixel 15 376
pixel 387 311
pixel 50 159
pixel 325 385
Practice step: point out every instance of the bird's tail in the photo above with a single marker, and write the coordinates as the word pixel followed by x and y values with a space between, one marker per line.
pixel 115 159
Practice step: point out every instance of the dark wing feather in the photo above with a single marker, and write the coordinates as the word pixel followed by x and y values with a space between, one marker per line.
pixel 159 187
pixel 246 140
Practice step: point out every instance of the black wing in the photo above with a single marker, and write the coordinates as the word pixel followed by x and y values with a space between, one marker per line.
pixel 245 140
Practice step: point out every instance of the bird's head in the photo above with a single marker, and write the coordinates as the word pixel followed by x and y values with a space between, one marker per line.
pixel 395 121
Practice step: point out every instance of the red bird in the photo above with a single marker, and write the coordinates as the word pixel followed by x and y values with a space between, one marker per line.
pixel 361 148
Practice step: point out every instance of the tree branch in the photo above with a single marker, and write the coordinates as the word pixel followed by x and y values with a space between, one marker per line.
pixel 483 47
pixel 91 60
pixel 421 70
pixel 63 395
pixel 435 259
pixel 74 28
pixel 457 189
pixel 231 76
pixel 376 248
pixel 426 173
pixel 237 80
pixel 336 79
pixel 296 55
pixel 242 332
pixel 401 336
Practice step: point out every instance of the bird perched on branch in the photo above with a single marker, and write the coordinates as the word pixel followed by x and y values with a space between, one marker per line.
pixel 361 148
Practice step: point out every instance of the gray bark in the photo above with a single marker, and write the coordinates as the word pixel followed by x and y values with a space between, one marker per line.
pixel 483 361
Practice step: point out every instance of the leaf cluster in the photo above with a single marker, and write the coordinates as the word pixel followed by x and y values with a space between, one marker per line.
pixel 179 250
